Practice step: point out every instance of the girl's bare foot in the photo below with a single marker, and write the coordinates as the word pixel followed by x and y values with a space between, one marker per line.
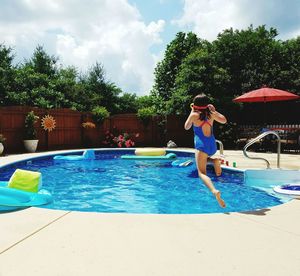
pixel 219 199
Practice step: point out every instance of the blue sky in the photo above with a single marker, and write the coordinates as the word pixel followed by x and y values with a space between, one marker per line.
pixel 154 10
pixel 129 36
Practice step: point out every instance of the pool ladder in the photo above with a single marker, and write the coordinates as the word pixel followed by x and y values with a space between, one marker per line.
pixel 221 147
pixel 254 140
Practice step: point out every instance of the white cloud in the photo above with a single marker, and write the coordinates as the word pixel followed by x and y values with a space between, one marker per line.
pixel 81 33
pixel 207 18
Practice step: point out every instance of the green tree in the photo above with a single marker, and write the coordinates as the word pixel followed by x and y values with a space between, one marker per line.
pixel 289 75
pixel 167 69
pixel 43 63
pixel 7 73
pixel 111 97
pixel 145 101
pixel 126 103
pixel 237 61
pixel 34 83
pixel 249 56
pixel 198 73
pixel 67 83
pixel 251 59
pixel 98 91
pixel 34 89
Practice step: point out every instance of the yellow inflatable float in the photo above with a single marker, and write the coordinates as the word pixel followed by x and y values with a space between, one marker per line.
pixel 150 152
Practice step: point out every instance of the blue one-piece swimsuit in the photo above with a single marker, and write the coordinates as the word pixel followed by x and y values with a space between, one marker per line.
pixel 204 143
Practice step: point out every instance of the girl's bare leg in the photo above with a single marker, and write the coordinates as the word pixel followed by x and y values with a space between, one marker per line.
pixel 217 165
pixel 201 161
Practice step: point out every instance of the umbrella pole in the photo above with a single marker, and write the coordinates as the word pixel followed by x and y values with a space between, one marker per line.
pixel 264 114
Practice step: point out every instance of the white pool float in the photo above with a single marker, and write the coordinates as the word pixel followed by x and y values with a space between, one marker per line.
pixel 288 189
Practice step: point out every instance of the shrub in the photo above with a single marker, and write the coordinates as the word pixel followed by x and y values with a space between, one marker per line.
pixel 145 114
pixel 100 113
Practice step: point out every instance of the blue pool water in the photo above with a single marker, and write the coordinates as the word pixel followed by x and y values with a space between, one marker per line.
pixel 112 185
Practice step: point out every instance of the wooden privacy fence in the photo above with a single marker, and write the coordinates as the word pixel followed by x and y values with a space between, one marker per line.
pixel 69 132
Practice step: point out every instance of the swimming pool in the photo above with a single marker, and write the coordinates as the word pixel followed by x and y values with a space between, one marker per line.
pixel 113 185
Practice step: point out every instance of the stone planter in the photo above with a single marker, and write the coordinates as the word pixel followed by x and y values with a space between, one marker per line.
pixel 30 145
pixel 1 148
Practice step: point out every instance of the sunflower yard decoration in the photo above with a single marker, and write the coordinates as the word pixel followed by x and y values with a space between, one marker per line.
pixel 48 123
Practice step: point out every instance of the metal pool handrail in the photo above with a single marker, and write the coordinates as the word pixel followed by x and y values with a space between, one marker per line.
pixel 254 140
pixel 221 147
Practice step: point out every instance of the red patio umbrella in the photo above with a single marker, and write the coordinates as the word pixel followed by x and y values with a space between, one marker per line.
pixel 266 94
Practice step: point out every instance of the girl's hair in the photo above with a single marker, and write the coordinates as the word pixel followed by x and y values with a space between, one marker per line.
pixel 202 100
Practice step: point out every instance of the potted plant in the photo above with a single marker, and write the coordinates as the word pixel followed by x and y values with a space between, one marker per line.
pixel 30 141
pixel 2 139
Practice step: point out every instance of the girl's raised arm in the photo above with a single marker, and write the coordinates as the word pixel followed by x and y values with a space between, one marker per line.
pixel 220 118
pixel 189 121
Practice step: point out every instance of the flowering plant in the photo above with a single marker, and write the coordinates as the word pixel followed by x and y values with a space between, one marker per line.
pixel 123 139
pixel 30 120
pixel 88 125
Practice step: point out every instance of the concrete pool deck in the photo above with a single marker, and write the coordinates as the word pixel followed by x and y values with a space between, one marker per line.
pixel 38 241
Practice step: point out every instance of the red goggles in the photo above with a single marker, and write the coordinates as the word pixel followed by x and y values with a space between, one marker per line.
pixel 197 107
